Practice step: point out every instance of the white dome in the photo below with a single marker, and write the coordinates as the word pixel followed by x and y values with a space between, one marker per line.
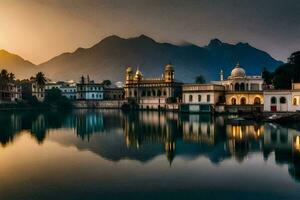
pixel 238 72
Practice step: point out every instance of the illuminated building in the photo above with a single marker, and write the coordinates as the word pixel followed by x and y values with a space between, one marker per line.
pixel 152 93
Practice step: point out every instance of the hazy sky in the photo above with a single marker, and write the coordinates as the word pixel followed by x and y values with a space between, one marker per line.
pixel 38 30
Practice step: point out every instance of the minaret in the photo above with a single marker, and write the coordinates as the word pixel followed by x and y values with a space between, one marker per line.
pixel 129 75
pixel 169 73
pixel 221 75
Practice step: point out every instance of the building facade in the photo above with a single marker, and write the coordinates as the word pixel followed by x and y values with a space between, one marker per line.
pixel 10 92
pixel 69 90
pixel 201 97
pixel 242 92
pixel 113 93
pixel 152 93
pixel 89 90
pixel 282 100
pixel 38 91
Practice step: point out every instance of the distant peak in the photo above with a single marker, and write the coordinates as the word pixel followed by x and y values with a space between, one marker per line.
pixel 215 43
pixel 243 44
pixel 144 37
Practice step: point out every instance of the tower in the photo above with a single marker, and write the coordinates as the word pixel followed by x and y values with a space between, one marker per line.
pixel 169 73
pixel 129 75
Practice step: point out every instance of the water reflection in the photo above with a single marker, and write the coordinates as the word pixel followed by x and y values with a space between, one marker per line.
pixel 142 136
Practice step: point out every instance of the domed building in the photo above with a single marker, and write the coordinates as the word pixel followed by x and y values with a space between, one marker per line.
pixel 152 93
pixel 242 90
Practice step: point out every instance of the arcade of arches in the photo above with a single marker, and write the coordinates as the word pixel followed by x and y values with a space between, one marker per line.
pixel 244 99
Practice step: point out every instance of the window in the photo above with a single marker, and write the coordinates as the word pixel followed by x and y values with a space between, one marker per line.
pixel 273 100
pixel 243 101
pixel 208 98
pixel 190 98
pixel 256 101
pixel 242 87
pixel 282 100
pixel 233 101
pixel 237 87
pixel 295 101
pixel 199 98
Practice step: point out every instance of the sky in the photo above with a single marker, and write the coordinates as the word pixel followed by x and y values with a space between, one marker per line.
pixel 38 30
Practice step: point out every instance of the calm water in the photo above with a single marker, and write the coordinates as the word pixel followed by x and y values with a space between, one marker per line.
pixel 109 154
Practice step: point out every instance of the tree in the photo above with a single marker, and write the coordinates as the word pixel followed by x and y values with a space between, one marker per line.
pixel 40 78
pixel 106 83
pixel 6 77
pixel 287 73
pixel 200 79
pixel 55 98
pixel 267 76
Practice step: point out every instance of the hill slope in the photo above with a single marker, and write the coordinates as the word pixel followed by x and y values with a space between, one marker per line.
pixel 109 58
pixel 17 65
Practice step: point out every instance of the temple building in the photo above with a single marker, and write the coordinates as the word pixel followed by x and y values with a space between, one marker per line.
pixel 242 92
pixel 153 93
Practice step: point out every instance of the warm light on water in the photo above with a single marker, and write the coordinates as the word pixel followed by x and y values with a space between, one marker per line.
pixel 110 154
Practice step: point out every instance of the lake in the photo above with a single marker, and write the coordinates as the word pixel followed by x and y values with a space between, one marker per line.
pixel 110 154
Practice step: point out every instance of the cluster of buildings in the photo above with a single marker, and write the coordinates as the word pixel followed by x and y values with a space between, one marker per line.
pixel 237 92
pixel 84 90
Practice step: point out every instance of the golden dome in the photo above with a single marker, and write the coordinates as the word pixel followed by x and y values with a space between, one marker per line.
pixel 138 75
pixel 129 70
pixel 238 72
pixel 169 67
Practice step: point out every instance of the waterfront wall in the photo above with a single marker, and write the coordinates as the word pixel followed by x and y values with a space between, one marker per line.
pixel 99 104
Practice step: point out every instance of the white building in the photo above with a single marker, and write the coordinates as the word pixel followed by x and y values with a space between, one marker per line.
pixel 69 90
pixel 38 91
pixel 89 90
pixel 282 100
pixel 201 97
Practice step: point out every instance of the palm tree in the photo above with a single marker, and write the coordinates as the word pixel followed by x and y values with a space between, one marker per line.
pixel 40 78
pixel 4 77
pixel 11 77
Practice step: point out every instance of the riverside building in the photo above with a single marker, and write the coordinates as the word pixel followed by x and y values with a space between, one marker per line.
pixel 153 93
pixel 242 92
pixel 89 90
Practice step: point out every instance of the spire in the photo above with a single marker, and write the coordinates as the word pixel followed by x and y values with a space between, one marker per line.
pixel 221 75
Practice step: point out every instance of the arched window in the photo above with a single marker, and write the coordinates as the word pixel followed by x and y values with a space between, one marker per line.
pixel 242 87
pixel 148 93
pixel 159 93
pixel 257 101
pixel 143 93
pixel 243 101
pixel 247 86
pixel 273 100
pixel 135 93
pixel 153 93
pixel 237 87
pixel 282 100
pixel 190 98
pixel 165 93
pixel 199 98
pixel 233 101
pixel 295 101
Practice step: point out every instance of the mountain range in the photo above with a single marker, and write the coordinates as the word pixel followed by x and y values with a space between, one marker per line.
pixel 109 58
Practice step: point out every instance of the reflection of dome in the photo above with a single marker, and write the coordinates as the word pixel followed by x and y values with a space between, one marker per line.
pixel 138 75
pixel 238 71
